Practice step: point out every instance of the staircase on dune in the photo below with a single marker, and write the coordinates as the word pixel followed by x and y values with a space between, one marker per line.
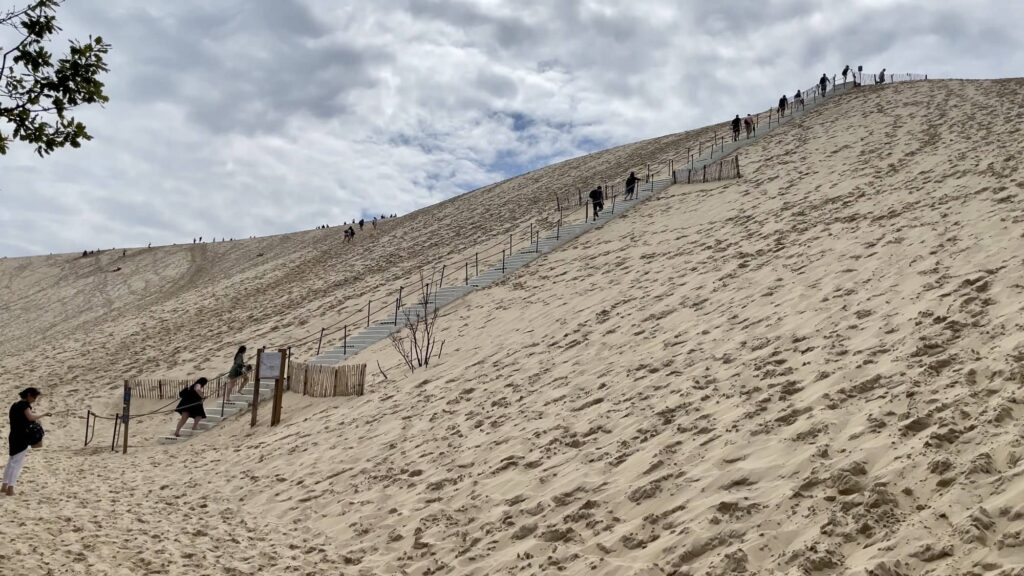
pixel 445 295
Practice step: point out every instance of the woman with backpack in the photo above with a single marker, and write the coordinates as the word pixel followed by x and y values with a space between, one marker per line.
pixel 191 405
pixel 25 432
pixel 237 374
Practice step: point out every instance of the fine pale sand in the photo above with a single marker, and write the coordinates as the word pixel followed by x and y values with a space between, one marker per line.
pixel 812 370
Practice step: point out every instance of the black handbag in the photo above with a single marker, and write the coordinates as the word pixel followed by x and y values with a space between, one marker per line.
pixel 34 433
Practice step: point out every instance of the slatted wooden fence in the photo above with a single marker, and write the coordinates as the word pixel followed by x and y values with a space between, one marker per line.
pixel 321 381
pixel 168 388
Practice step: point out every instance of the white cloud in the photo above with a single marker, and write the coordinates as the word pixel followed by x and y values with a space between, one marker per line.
pixel 264 116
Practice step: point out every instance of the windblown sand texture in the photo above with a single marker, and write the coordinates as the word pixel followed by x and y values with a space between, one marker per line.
pixel 812 370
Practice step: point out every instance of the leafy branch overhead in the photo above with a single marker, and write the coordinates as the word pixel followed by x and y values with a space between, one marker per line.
pixel 37 91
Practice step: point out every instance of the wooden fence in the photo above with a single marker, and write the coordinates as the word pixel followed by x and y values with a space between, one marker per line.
pixel 726 169
pixel 167 388
pixel 323 381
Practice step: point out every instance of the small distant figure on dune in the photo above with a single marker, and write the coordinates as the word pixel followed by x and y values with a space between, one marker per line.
pixel 881 77
pixel 783 102
pixel 124 253
pixel 846 72
pixel 823 84
pixel 748 125
pixel 798 101
pixel 85 253
pixel 361 222
pixel 631 182
pixel 736 128
pixel 191 405
pixel 597 199
pixel 25 432
pixel 374 222
pixel 350 233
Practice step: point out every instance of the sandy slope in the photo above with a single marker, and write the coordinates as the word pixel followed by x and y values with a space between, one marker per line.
pixel 814 370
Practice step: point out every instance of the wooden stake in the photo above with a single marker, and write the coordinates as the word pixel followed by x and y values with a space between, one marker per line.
pixel 275 413
pixel 126 411
pixel 256 389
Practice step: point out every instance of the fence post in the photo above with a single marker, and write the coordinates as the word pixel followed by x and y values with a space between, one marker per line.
pixel 126 412
pixel 476 257
pixel 705 177
pixel 467 273
pixel 502 260
pixel 720 169
pixel 344 342
pixel 368 313
pixel 256 389
pixel 321 340
pixel 398 304
pixel 672 170
pixel 737 160
pixel 88 415
pixel 689 173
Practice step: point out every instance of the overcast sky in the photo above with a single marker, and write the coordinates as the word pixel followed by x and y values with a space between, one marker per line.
pixel 252 117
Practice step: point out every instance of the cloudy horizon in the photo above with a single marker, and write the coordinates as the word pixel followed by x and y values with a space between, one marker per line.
pixel 259 117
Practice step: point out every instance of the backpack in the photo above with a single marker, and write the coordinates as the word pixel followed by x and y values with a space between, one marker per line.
pixel 34 434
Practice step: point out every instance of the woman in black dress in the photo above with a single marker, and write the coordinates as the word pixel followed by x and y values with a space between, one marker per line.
pixel 22 416
pixel 191 405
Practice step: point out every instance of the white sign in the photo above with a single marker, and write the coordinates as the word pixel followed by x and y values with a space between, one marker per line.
pixel 270 364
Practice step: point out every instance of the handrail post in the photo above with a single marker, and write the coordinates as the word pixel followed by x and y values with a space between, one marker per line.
pixel 531 232
pixel 441 281
pixel 509 245
pixel 502 260
pixel 467 273
pixel 344 342
pixel 88 415
pixel 319 342
pixel 368 302
pixel 398 304
pixel 477 260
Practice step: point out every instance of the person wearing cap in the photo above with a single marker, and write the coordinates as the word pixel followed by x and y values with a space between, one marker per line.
pixel 20 438
pixel 191 405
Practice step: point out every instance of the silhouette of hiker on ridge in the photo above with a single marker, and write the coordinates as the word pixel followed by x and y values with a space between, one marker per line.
pixel 846 71
pixel 748 124
pixel 881 77
pixel 783 102
pixel 823 84
pixel 798 101
pixel 361 221
pixel 597 198
pixel 736 128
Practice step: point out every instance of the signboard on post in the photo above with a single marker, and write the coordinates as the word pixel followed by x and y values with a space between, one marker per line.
pixel 271 363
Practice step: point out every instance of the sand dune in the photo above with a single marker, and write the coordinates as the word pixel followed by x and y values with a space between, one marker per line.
pixel 812 370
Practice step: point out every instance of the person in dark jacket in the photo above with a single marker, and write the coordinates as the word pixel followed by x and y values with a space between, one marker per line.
pixel 783 102
pixel 823 84
pixel 21 417
pixel 237 375
pixel 631 182
pixel 597 198
pixel 191 405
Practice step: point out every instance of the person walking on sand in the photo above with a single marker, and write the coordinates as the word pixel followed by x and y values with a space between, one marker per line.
pixel 736 128
pixel 597 198
pixel 191 405
pixel 238 376
pixel 846 72
pixel 631 182
pixel 881 77
pixel 798 101
pixel 782 106
pixel 361 222
pixel 748 125
pixel 25 432
pixel 823 84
